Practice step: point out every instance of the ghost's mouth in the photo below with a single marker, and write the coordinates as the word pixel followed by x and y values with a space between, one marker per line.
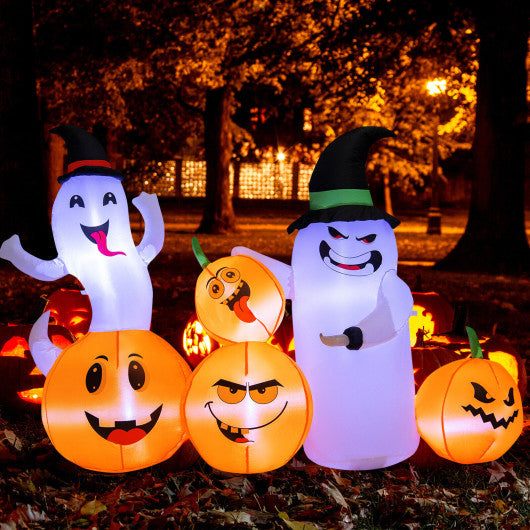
pixel 238 303
pixel 362 265
pixel 124 432
pixel 490 418
pixel 237 434
pixel 98 235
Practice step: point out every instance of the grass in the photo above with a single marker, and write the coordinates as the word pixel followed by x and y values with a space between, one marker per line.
pixel 39 489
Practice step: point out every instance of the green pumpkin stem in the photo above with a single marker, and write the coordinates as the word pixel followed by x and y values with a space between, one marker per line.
pixel 199 254
pixel 476 350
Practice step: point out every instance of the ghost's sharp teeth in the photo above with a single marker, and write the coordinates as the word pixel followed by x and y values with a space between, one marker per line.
pixel 224 426
pixel 234 429
pixel 106 423
pixel 245 431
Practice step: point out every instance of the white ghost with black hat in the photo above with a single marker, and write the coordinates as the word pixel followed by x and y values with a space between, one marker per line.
pixel 92 234
pixel 350 316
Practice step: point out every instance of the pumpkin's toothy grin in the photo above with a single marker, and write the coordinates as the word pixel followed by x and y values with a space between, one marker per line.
pixel 238 302
pixel 236 434
pixel 361 265
pixel 491 417
pixel 124 432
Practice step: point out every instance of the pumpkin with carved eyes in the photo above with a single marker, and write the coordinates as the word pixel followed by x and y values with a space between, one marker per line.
pixel 470 410
pixel 248 408
pixel 238 299
pixel 112 401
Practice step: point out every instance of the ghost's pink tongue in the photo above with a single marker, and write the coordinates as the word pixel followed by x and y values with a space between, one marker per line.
pixel 242 310
pixel 101 240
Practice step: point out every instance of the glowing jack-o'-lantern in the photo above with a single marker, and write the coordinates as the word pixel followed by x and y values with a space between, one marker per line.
pixel 470 410
pixel 237 298
pixel 71 309
pixel 432 314
pixel 20 377
pixel 248 408
pixel 112 401
pixel 197 344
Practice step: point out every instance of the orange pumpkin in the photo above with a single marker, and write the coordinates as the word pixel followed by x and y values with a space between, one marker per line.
pixel 237 299
pixel 197 344
pixel 112 401
pixel 71 309
pixel 470 410
pixel 434 315
pixel 22 381
pixel 248 408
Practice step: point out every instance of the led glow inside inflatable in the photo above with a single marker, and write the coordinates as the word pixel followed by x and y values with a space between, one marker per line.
pixel 112 401
pixel 238 299
pixel 470 410
pixel 90 223
pixel 350 315
pixel 248 408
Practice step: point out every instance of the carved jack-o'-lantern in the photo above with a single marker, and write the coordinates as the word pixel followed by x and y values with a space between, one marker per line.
pixel 237 298
pixel 470 410
pixel 112 401
pixel 433 315
pixel 197 344
pixel 20 377
pixel 71 309
pixel 248 408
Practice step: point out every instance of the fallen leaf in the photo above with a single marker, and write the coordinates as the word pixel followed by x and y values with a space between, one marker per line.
pixel 295 525
pixel 93 508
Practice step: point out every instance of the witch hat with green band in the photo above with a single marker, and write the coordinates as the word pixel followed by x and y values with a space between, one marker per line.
pixel 338 189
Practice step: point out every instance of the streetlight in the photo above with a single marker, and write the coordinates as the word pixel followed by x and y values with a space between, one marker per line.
pixel 434 218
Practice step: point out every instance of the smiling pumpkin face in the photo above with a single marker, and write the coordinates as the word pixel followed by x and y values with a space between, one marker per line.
pixel 469 411
pixel 112 401
pixel 238 299
pixel 248 408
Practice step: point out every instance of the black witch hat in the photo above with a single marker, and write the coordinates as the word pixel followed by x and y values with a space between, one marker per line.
pixel 338 189
pixel 85 155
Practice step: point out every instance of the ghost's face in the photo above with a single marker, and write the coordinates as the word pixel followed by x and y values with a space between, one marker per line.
pixel 90 215
pixel 356 249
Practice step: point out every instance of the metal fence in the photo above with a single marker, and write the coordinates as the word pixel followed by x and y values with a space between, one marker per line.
pixel 187 178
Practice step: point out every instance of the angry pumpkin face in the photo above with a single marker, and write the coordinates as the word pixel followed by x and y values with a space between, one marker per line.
pixel 469 411
pixel 238 299
pixel 248 408
pixel 112 401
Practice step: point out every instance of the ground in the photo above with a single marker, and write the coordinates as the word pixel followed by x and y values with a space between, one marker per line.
pixel 38 488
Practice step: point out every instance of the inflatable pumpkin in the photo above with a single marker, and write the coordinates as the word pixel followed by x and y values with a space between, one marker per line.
pixel 237 298
pixel 470 410
pixel 248 408
pixel 112 401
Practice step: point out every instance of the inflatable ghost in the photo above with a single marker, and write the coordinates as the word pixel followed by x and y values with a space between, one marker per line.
pixel 350 315
pixel 90 223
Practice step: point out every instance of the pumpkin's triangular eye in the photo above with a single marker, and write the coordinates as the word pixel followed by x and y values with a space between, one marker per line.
pixel 481 394
pixel 509 401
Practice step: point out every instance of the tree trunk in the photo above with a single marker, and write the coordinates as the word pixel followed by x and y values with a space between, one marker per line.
pixel 23 195
pixel 218 216
pixel 494 240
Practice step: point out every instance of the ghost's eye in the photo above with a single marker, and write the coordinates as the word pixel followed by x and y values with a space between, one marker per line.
pixel 370 238
pixel 509 401
pixel 77 200
pixel 335 234
pixel 136 375
pixel 230 275
pixel 481 394
pixel 109 197
pixel 94 377
pixel 215 288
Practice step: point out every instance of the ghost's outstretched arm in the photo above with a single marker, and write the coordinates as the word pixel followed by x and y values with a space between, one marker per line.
pixel 45 270
pixel 153 239
pixel 282 271
pixel 394 307
pixel 391 314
